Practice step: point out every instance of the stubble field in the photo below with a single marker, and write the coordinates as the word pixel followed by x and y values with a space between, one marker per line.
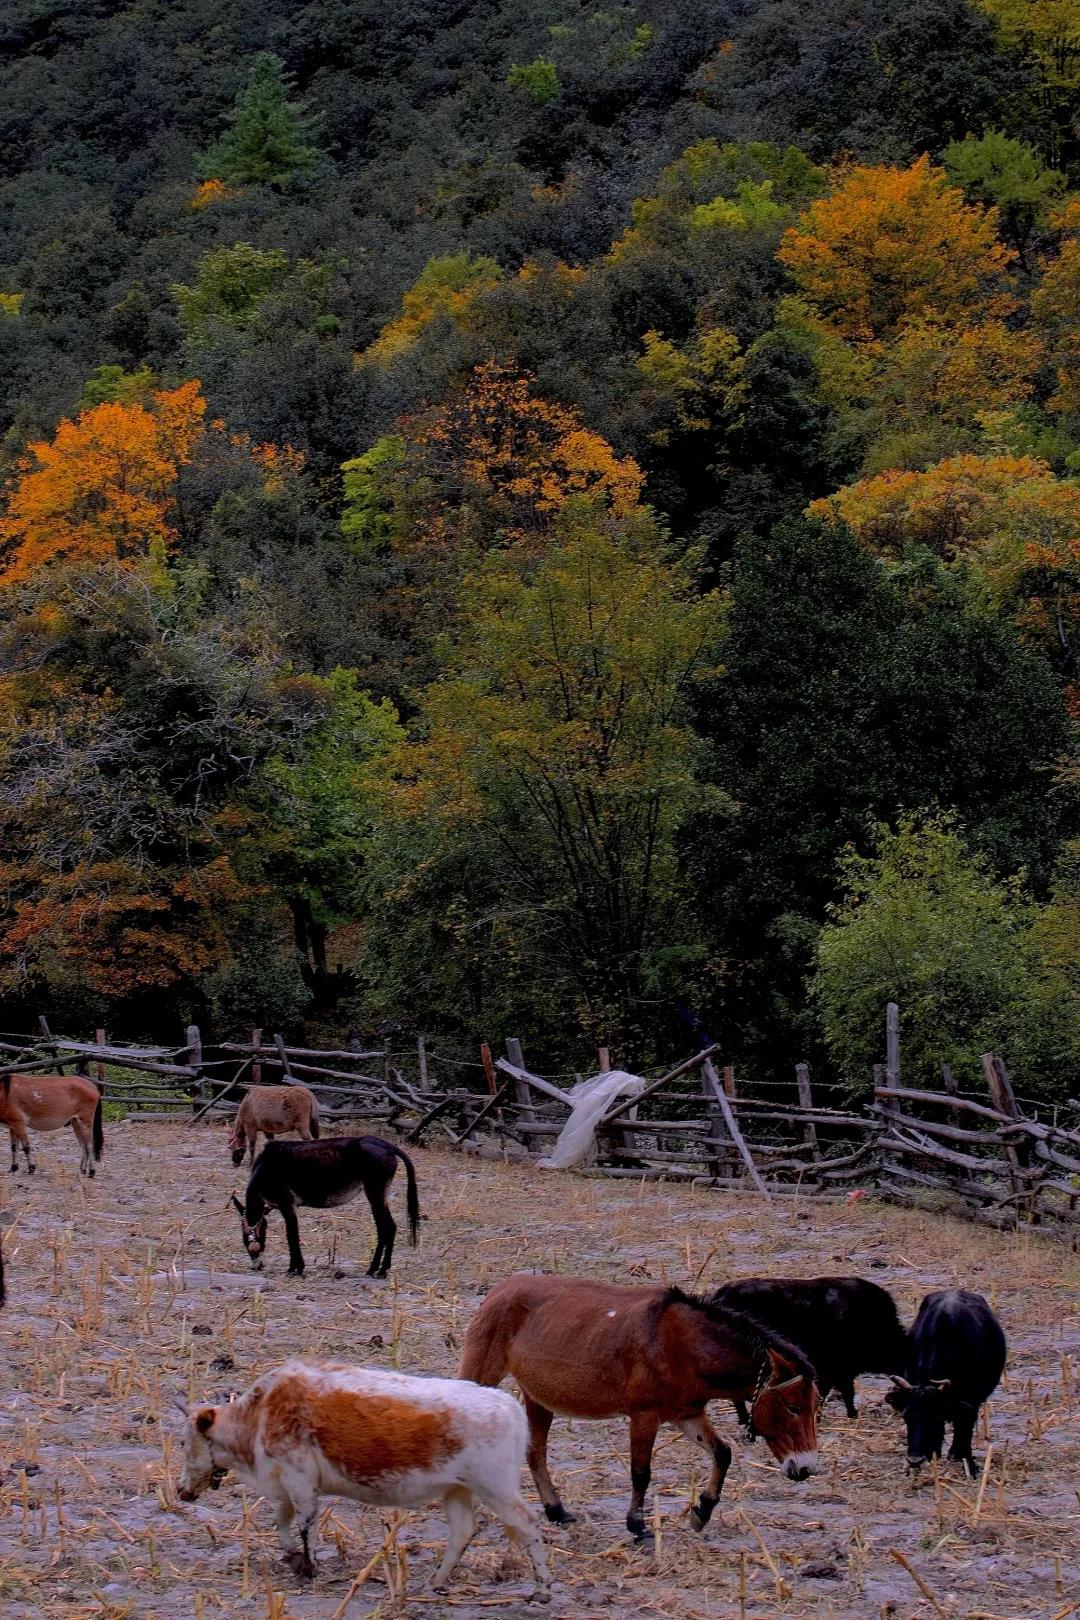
pixel 132 1289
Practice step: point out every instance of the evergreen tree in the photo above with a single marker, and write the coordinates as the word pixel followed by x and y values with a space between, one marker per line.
pixel 268 140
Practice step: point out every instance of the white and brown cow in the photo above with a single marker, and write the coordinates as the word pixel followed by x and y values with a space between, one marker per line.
pixel 311 1428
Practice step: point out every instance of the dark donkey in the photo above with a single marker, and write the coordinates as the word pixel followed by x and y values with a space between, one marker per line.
pixel 594 1350
pixel 324 1175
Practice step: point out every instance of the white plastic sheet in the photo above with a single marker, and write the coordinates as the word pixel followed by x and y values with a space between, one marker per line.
pixel 576 1142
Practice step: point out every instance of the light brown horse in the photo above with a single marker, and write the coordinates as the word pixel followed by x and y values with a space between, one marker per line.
pixel 273 1110
pixel 48 1102
pixel 595 1350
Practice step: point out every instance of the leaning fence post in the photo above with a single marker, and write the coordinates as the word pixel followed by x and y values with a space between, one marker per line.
pixel 718 1143
pixel 1016 1157
pixel 523 1093
pixel 283 1059
pixel 194 1049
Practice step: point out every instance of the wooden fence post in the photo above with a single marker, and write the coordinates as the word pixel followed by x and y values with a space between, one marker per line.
pixel 256 1063
pixel 806 1100
pixel 892 1044
pixel 99 1040
pixel 421 1058
pixel 194 1052
pixel 283 1058
pixel 720 1093
pixel 1016 1157
pixel 523 1093
pixel 717 1163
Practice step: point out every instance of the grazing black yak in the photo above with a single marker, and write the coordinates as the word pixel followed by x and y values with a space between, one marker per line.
pixel 956 1355
pixel 844 1325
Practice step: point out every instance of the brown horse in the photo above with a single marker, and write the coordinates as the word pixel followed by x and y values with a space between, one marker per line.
pixel 273 1110
pixel 595 1350
pixel 48 1102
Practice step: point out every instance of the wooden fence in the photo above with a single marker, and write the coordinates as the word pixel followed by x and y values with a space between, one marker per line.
pixel 983 1156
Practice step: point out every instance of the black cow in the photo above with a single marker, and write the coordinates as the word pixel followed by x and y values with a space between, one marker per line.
pixel 844 1325
pixel 956 1355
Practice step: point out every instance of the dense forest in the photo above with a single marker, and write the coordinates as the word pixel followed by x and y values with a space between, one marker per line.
pixel 545 520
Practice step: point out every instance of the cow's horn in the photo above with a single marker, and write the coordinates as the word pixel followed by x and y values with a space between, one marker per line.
pixel 901 1383
pixel 942 1383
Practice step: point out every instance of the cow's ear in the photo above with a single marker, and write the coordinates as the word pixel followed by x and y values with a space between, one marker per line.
pixel 204 1420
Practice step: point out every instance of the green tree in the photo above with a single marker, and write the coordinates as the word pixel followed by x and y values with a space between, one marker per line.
pixel 557 760
pixel 538 78
pixel 229 290
pixel 269 140
pixel 1008 175
pixel 925 923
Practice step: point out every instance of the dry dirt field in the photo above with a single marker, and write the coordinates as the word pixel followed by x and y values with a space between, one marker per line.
pixel 131 1289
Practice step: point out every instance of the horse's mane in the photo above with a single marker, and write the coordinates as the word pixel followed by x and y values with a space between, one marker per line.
pixel 747 1330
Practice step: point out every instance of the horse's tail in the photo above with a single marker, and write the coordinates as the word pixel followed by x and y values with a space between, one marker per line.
pixel 99 1134
pixel 5 1085
pixel 313 1119
pixel 412 1201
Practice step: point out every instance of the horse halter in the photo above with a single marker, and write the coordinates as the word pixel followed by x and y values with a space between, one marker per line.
pixel 763 1384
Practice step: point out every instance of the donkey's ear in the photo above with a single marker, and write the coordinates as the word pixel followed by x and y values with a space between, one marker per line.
pixel 237 1204
pixel 782 1367
pixel 204 1420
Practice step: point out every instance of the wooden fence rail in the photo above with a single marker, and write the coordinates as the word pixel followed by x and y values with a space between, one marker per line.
pixel 985 1159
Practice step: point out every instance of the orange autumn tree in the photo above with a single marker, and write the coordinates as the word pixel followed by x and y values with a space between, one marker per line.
pixel 1055 306
pixel 1005 521
pixel 888 245
pixel 103 489
pixel 904 297
pixel 495 470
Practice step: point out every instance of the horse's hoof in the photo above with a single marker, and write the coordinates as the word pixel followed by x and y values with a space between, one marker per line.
pixel 636 1528
pixel 700 1515
pixel 558 1514
pixel 30 1169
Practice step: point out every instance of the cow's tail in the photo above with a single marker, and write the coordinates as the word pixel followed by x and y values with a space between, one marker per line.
pixel 5 1086
pixel 412 1200
pixel 99 1134
pixel 313 1120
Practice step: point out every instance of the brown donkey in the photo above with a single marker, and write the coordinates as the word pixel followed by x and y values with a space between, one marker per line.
pixel 595 1350
pixel 48 1102
pixel 273 1110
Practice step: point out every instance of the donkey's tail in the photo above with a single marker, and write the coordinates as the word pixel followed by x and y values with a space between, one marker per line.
pixel 99 1134
pixel 412 1201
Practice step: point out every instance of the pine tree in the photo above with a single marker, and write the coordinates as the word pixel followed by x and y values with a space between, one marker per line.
pixel 268 140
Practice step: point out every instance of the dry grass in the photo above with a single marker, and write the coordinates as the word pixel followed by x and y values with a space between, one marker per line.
pixel 128 1290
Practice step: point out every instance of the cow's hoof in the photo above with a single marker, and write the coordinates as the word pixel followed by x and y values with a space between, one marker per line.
pixel 636 1527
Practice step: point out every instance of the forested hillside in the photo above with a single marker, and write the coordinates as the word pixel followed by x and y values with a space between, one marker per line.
pixel 526 518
